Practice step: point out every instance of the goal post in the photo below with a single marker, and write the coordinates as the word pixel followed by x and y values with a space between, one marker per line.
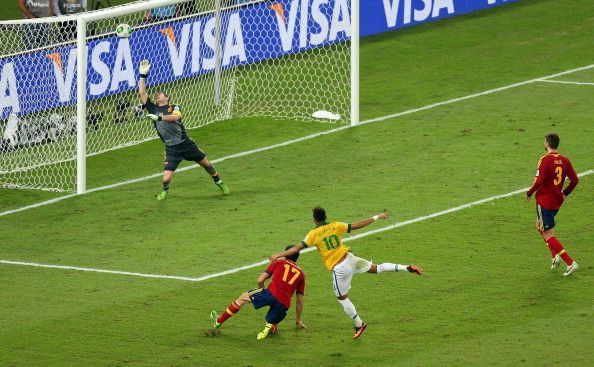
pixel 81 105
pixel 354 69
pixel 75 95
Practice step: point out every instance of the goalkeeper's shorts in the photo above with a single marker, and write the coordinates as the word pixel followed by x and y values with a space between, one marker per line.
pixel 187 150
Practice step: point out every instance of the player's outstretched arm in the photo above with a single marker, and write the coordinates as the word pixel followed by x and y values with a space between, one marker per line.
pixel 365 222
pixel 299 311
pixel 143 68
pixel 293 250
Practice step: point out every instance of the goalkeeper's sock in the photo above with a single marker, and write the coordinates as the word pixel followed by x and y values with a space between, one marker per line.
pixel 166 187
pixel 213 173
pixel 349 309
pixel 231 310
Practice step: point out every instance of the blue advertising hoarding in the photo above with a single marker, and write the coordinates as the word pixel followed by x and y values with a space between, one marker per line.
pixel 378 16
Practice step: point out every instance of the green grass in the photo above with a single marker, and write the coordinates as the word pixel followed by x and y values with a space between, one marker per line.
pixel 487 297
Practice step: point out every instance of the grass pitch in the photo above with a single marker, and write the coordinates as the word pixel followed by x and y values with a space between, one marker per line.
pixel 487 297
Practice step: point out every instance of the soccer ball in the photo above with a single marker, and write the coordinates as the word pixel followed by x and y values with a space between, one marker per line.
pixel 123 30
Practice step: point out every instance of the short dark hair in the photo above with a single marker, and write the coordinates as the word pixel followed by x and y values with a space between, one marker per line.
pixel 293 257
pixel 319 214
pixel 552 140
pixel 163 93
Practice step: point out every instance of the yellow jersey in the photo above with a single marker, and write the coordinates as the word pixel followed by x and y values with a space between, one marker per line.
pixel 327 237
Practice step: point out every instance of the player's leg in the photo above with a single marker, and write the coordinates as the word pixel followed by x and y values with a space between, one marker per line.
pixel 361 265
pixel 555 258
pixel 167 177
pixel 547 217
pixel 374 269
pixel 231 310
pixel 342 275
pixel 555 245
pixel 351 311
pixel 540 227
pixel 209 168
pixel 276 313
pixel 170 164
pixel 197 155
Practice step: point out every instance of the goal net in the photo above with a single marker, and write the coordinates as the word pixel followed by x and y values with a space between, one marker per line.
pixel 216 59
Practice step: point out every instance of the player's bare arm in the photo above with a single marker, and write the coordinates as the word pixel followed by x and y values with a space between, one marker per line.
pixel 293 250
pixel 299 311
pixel 263 277
pixel 365 222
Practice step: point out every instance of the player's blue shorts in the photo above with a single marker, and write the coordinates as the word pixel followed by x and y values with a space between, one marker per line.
pixel 262 297
pixel 546 217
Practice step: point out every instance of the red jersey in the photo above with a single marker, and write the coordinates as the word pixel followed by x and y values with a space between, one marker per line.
pixel 553 168
pixel 287 278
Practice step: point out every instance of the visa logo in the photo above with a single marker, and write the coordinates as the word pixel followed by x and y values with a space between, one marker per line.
pixel 319 23
pixel 417 10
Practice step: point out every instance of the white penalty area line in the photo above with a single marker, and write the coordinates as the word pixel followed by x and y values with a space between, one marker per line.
pixel 308 137
pixel 260 263
pixel 565 82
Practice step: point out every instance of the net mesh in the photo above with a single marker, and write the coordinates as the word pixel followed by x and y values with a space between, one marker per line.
pixel 283 59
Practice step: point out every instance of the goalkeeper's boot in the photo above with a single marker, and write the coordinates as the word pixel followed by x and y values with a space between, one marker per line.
pixel 224 188
pixel 571 268
pixel 214 317
pixel 268 329
pixel 555 261
pixel 359 330
pixel 162 195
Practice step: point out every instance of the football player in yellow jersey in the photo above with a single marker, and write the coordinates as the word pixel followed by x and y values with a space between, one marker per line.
pixel 327 237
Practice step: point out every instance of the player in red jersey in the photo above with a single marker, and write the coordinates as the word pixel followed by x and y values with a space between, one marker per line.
pixel 287 278
pixel 553 168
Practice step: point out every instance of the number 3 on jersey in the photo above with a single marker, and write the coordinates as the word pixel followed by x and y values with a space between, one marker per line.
pixel 295 271
pixel 559 178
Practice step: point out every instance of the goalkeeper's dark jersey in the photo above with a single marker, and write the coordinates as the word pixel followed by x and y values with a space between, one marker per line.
pixel 171 133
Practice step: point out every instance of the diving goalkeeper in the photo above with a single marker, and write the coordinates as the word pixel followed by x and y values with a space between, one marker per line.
pixel 167 119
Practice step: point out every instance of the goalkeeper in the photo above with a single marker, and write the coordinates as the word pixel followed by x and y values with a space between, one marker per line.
pixel 167 119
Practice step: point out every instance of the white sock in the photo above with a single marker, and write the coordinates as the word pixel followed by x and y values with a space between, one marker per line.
pixel 349 309
pixel 386 267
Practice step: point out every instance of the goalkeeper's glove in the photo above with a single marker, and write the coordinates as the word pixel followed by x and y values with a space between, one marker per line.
pixel 415 269
pixel 154 117
pixel 144 68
